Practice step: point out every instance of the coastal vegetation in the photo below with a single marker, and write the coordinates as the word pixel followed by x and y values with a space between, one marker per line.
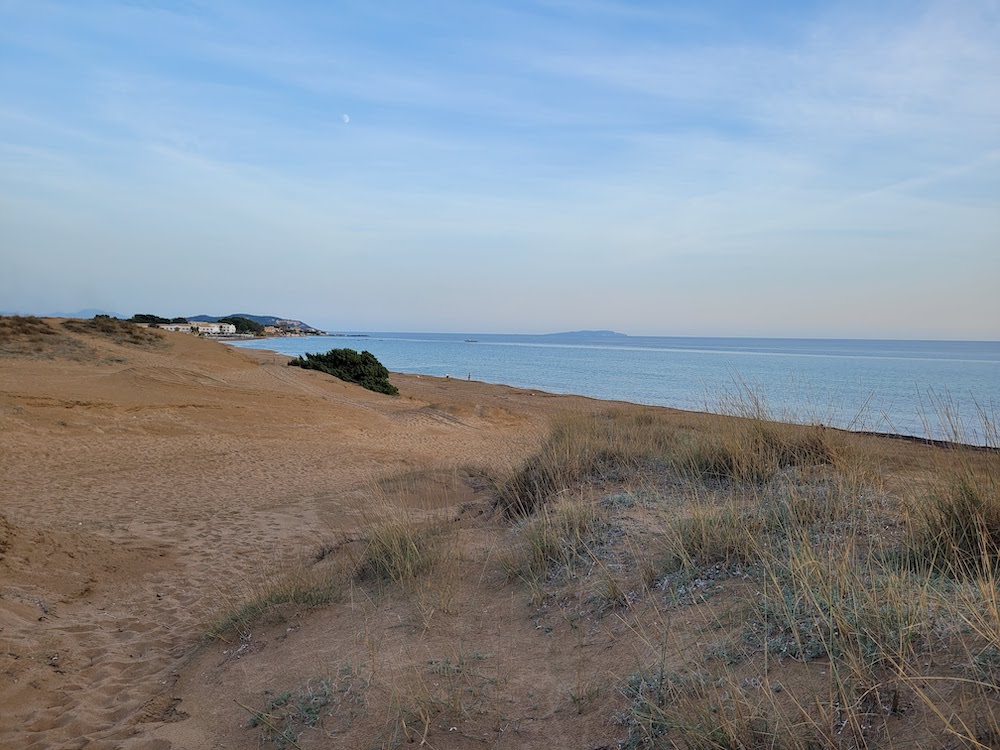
pixel 155 320
pixel 28 336
pixel 476 565
pixel 244 325
pixel 24 328
pixel 119 331
pixel 888 589
pixel 351 366
pixel 840 599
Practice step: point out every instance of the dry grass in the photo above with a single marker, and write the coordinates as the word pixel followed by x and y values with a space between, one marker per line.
pixel 402 544
pixel 35 337
pixel 600 447
pixel 554 542
pixel 955 527
pixel 839 577
pixel 268 596
pixel 669 711
pixel 804 606
pixel 439 696
pixel 628 446
pixel 24 327
pixel 753 451
pixel 27 336
pixel 709 534
pixel 396 552
pixel 119 331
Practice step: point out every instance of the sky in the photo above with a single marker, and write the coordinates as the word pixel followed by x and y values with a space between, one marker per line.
pixel 817 169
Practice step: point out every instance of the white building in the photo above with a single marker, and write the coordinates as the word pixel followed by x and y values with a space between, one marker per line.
pixel 213 329
pixel 182 327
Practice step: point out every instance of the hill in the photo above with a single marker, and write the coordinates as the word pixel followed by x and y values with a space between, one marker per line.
pixel 264 320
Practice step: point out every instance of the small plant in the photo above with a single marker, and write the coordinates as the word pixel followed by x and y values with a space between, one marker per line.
pixel 320 701
pixel 620 500
pixel 302 588
pixel 648 695
pixel 710 535
pixel 399 549
pixel 460 664
pixel 555 539
pixel 351 366
pixel 440 696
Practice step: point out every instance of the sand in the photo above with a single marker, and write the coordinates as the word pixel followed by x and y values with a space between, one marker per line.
pixel 144 489
pixel 152 487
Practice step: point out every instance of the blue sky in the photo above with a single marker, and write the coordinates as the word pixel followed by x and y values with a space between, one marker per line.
pixel 686 168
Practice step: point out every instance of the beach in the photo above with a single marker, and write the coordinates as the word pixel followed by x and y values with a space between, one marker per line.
pixel 139 496
pixel 150 490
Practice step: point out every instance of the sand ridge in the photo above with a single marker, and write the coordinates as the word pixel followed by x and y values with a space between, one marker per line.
pixel 139 485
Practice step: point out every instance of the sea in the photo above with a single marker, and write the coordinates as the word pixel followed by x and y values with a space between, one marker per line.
pixel 943 390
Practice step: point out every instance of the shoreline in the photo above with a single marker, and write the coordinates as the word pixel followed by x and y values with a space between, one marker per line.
pixel 915 439
pixel 159 489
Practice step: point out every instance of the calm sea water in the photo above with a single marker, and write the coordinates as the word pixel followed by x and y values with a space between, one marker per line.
pixel 886 386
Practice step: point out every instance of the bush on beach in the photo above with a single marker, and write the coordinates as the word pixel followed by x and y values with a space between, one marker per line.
pixel 353 367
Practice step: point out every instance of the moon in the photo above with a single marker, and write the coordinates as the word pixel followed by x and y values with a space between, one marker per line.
pixel 345 118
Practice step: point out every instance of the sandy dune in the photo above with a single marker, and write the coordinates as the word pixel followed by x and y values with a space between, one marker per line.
pixel 140 488
pixel 184 529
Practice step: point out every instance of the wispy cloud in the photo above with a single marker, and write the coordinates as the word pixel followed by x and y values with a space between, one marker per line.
pixel 542 144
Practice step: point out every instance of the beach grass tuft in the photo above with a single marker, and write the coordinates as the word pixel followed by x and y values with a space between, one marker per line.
pixel 269 595
pixel 401 545
pixel 955 528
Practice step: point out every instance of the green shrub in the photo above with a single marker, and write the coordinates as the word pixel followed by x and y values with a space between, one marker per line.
pixel 153 320
pixel 244 325
pixel 351 366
